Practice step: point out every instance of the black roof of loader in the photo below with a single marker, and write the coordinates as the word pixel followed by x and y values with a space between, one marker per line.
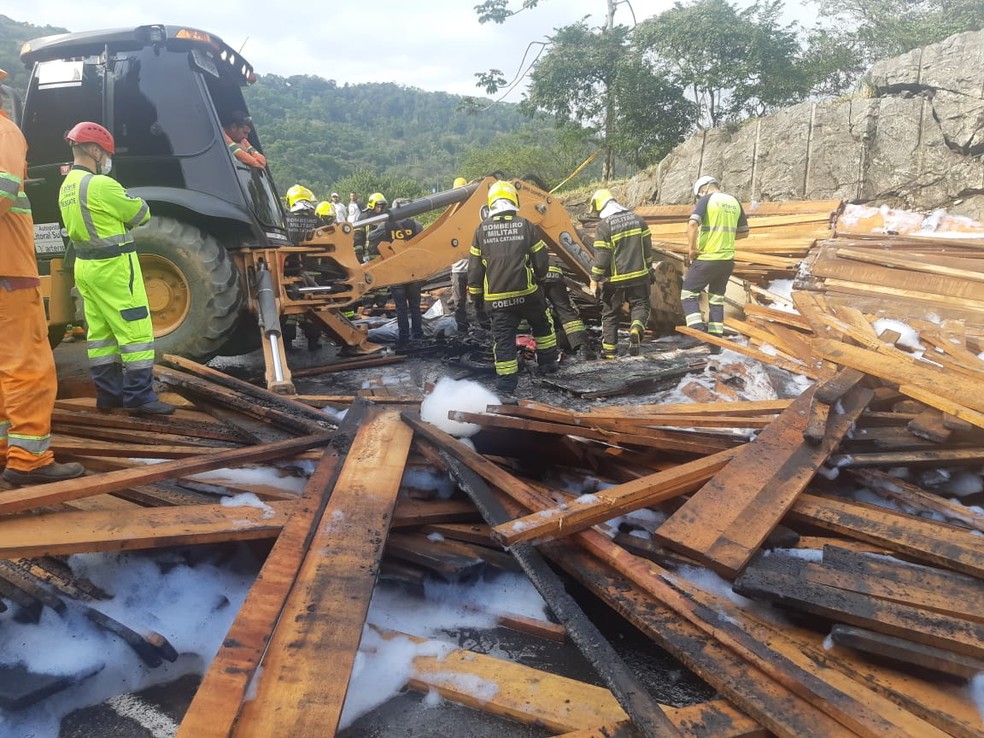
pixel 85 43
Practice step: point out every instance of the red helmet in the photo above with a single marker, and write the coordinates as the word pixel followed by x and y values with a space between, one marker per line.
pixel 88 132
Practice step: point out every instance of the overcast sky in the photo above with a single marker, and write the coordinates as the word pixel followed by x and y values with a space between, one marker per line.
pixel 430 44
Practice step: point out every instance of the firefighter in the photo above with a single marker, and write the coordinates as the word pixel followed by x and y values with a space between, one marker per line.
pixel 406 297
pixel 717 221
pixel 375 205
pixel 325 212
pixel 236 130
pixel 28 382
pixel 506 260
pixel 623 255
pixel 99 215
pixel 556 293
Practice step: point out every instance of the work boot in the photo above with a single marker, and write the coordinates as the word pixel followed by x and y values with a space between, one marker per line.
pixel 608 355
pixel 507 383
pixel 635 342
pixel 53 472
pixel 157 407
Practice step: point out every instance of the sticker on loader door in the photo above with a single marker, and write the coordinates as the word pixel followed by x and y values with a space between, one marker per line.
pixel 48 238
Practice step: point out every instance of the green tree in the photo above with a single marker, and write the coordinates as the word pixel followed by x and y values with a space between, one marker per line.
pixel 593 79
pixel 733 63
pixel 878 29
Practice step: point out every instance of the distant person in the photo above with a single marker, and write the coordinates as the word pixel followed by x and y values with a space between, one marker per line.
pixel 506 260
pixel 717 222
pixel 406 297
pixel 28 381
pixel 623 254
pixel 341 209
pixel 459 287
pixel 99 216
pixel 236 129
pixel 354 208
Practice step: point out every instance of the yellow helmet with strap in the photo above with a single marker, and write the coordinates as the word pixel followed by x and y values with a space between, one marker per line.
pixel 325 211
pixel 376 198
pixel 297 193
pixel 600 198
pixel 503 190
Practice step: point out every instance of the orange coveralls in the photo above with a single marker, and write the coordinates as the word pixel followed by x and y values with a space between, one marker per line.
pixel 245 152
pixel 28 382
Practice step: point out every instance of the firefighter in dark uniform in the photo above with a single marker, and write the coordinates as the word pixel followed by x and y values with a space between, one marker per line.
pixel 555 291
pixel 506 260
pixel 406 297
pixel 623 257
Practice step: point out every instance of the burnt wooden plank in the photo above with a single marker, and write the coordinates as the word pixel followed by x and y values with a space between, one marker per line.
pixel 923 586
pixel 937 543
pixel 792 581
pixel 724 522
pixel 62 533
pixel 588 510
pixel 306 668
pixel 906 652
pixel 435 556
pixel 73 489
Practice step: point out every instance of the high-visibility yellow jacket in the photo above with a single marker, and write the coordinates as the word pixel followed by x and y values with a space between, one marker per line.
pixel 721 219
pixel 98 214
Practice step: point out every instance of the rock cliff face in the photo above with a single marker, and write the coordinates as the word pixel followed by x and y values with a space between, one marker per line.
pixel 915 141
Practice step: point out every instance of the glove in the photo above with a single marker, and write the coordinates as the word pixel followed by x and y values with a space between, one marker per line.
pixel 595 288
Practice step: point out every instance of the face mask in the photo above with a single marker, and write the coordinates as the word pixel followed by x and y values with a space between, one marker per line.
pixel 106 166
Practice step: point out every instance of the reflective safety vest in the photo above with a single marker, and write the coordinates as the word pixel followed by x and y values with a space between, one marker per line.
pixel 721 218
pixel 623 250
pixel 98 214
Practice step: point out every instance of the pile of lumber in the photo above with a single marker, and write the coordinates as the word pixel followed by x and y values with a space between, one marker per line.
pixel 780 234
pixel 863 620
pixel 903 275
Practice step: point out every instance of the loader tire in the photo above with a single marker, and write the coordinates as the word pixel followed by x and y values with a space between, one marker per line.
pixel 193 289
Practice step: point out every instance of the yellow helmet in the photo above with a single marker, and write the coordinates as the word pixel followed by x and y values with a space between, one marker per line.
pixel 297 193
pixel 325 211
pixel 376 198
pixel 459 182
pixel 503 190
pixel 599 199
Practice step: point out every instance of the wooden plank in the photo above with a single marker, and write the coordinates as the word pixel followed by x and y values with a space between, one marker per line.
pixel 906 652
pixel 63 533
pixel 903 372
pixel 435 556
pixel 747 407
pixel 664 440
pixel 535 697
pixel 216 704
pixel 837 386
pixel 728 519
pixel 215 430
pixel 306 669
pixel 411 512
pixel 933 457
pixel 911 497
pixel 792 366
pixel 841 597
pixel 952 407
pixel 587 510
pixel 43 495
pixel 937 543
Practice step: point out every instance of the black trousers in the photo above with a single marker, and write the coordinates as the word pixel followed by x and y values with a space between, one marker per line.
pixel 409 322
pixel 568 318
pixel 505 324
pixel 612 297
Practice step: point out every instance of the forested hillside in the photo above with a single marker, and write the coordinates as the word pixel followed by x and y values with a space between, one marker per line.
pixel 319 133
pixel 330 136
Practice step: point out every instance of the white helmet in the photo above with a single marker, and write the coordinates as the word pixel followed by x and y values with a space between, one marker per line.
pixel 703 182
